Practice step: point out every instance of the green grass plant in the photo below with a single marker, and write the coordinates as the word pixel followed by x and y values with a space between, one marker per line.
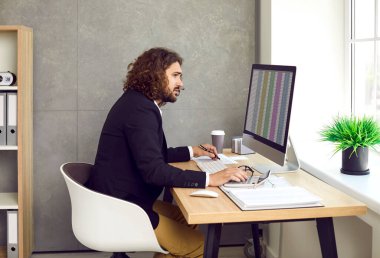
pixel 346 132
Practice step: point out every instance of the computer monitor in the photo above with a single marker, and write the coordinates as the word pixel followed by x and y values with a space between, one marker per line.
pixel 267 118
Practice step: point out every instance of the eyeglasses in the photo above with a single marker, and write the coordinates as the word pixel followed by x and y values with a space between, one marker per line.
pixel 256 180
pixel 247 168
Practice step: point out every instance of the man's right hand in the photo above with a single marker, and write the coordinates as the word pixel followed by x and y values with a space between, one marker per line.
pixel 226 175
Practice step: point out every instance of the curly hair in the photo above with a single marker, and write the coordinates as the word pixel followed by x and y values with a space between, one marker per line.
pixel 147 73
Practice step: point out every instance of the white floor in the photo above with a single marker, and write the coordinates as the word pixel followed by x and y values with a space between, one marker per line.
pixel 224 252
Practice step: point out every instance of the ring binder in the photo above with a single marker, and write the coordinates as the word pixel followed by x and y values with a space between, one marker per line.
pixel 272 198
pixel 11 118
pixel 12 229
pixel 3 108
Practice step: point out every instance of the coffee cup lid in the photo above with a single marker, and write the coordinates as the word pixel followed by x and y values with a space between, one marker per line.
pixel 217 132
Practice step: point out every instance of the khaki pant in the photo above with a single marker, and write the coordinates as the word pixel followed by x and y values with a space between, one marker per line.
pixel 175 235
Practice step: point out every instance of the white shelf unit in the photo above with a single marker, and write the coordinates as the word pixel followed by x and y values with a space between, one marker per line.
pixel 6 147
pixel 8 201
pixel 16 52
pixel 8 88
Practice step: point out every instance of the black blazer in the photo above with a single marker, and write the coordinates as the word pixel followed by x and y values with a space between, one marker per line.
pixel 132 157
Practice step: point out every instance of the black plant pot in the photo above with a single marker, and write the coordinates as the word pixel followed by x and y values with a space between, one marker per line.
pixel 357 164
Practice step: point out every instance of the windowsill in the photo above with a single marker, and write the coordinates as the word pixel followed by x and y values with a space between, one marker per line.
pixel 317 161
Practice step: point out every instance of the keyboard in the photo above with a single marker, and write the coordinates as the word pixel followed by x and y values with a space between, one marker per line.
pixel 210 166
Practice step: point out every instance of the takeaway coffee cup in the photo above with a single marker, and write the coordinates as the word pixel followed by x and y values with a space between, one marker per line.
pixel 217 137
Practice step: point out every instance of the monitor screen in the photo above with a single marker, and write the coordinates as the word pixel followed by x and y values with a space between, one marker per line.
pixel 268 110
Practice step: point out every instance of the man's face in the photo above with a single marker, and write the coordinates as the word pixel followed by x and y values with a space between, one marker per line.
pixel 175 84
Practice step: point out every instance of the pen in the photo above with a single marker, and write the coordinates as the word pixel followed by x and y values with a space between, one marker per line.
pixel 205 149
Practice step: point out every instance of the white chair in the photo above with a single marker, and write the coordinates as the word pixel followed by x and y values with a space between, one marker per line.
pixel 105 223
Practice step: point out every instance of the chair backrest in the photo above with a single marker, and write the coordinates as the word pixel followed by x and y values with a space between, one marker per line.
pixel 105 223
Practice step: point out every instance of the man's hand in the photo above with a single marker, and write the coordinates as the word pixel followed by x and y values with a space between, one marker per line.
pixel 211 151
pixel 226 175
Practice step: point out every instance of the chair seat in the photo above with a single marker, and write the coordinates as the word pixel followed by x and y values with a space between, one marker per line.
pixel 105 223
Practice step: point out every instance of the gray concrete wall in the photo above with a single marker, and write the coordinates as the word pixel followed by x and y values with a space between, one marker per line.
pixel 81 52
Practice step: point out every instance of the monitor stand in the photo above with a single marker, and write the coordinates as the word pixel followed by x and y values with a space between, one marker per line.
pixel 292 163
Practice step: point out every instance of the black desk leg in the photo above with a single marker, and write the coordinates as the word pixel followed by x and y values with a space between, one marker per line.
pixel 256 239
pixel 212 241
pixel 326 235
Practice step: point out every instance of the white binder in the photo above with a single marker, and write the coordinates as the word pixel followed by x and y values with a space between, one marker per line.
pixel 12 229
pixel 3 120
pixel 269 198
pixel 11 118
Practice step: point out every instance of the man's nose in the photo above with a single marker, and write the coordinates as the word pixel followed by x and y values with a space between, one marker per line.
pixel 180 82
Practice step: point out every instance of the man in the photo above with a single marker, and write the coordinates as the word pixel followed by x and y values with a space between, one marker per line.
pixel 132 158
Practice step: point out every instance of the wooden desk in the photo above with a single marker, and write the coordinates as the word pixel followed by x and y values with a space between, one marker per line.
pixel 215 211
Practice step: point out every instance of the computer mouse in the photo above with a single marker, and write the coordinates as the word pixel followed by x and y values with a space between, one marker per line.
pixel 205 193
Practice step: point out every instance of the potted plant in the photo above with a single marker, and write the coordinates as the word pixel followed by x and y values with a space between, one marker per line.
pixel 353 136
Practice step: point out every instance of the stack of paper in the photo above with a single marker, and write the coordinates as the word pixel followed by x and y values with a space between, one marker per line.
pixel 272 198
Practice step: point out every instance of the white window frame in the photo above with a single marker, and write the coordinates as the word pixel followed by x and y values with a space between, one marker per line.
pixel 350 50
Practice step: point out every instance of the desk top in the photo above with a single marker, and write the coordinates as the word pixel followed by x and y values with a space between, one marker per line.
pixel 199 210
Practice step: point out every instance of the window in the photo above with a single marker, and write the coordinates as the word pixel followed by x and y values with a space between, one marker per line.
pixel 364 44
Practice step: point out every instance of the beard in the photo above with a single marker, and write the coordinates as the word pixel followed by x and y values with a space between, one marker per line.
pixel 170 96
